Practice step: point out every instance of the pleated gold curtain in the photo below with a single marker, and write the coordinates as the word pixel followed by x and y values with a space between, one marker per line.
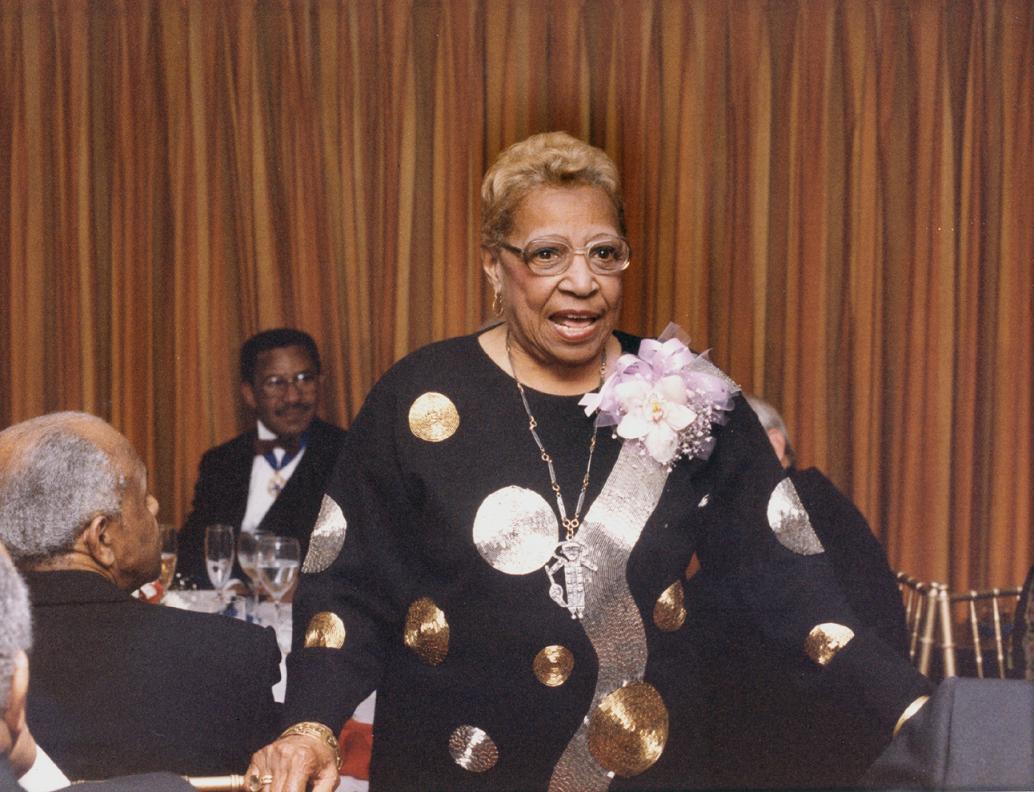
pixel 836 197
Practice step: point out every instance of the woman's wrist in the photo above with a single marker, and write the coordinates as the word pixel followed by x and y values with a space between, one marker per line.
pixel 318 731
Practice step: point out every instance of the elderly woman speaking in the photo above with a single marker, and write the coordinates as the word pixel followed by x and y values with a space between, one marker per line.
pixel 502 549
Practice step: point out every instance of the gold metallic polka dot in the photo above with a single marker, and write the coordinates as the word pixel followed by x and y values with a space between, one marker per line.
pixel 515 530
pixel 325 630
pixel 825 640
pixel 628 730
pixel 472 749
pixel 427 631
pixel 553 665
pixel 433 417
pixel 669 612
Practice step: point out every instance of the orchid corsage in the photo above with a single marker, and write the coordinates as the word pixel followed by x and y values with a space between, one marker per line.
pixel 666 399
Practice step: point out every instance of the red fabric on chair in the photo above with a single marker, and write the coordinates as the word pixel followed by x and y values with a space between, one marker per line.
pixel 356 742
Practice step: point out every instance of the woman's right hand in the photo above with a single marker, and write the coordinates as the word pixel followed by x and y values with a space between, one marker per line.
pixel 292 762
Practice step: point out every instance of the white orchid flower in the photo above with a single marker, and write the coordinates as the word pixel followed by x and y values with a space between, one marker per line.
pixel 655 414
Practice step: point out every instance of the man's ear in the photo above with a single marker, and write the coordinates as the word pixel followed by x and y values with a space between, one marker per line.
pixel 98 540
pixel 14 715
pixel 778 441
pixel 23 747
pixel 248 394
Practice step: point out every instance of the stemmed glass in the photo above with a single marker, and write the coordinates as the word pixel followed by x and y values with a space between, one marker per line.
pixel 169 540
pixel 279 559
pixel 247 556
pixel 219 556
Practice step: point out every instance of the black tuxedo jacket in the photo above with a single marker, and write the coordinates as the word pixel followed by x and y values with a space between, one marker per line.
pixel 221 494
pixel 152 782
pixel 120 686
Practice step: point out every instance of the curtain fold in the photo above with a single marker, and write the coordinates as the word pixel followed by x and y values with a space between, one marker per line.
pixel 836 198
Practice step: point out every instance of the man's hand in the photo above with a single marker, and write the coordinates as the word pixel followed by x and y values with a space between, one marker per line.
pixel 288 764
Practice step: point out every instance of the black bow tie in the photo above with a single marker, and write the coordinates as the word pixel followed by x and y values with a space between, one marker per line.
pixel 291 445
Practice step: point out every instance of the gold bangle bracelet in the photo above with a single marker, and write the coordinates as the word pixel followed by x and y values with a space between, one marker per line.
pixel 320 732
pixel 910 710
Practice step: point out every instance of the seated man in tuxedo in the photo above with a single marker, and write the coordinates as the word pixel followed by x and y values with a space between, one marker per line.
pixel 23 765
pixel 271 478
pixel 118 685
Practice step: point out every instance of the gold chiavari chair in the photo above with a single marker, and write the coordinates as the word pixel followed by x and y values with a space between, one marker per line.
pixel 981 629
pixel 924 603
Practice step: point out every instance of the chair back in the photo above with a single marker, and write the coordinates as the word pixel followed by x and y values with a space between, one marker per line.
pixel 981 631
pixel 924 603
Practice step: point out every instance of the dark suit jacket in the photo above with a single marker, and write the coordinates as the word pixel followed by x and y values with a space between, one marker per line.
pixel 152 782
pixel 221 494
pixel 972 734
pixel 119 686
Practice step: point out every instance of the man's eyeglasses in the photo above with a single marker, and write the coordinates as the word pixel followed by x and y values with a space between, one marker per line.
pixel 553 256
pixel 276 386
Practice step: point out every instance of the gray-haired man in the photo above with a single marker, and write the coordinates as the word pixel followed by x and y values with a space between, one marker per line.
pixel 19 755
pixel 164 689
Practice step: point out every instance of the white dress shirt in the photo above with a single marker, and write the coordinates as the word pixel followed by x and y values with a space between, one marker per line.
pixel 259 496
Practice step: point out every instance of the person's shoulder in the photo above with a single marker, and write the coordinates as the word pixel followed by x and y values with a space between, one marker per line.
pixel 432 366
pixel 438 353
pixel 629 342
pixel 214 629
pixel 230 449
pixel 816 489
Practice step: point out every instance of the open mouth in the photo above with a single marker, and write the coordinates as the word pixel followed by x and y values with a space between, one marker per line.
pixel 574 325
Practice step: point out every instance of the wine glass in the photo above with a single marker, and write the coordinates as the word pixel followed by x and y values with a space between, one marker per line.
pixel 219 556
pixel 279 559
pixel 247 556
pixel 169 543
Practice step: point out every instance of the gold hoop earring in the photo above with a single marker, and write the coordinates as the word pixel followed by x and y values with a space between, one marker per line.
pixel 497 304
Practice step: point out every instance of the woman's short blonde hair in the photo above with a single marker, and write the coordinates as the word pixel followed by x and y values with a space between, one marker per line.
pixel 553 159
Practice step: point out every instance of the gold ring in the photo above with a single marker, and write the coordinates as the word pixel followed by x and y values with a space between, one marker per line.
pixel 252 783
pixel 267 779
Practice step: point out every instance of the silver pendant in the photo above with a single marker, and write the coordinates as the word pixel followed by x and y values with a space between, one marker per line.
pixel 276 484
pixel 569 556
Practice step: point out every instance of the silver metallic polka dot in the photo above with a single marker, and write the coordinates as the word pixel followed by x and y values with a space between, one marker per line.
pixel 789 520
pixel 327 537
pixel 826 640
pixel 472 749
pixel 433 417
pixel 515 530
pixel 704 501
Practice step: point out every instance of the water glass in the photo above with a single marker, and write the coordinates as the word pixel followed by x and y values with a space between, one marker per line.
pixel 219 553
pixel 279 560
pixel 247 557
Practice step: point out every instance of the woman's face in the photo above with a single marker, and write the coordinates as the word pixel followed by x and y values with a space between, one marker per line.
pixel 558 320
